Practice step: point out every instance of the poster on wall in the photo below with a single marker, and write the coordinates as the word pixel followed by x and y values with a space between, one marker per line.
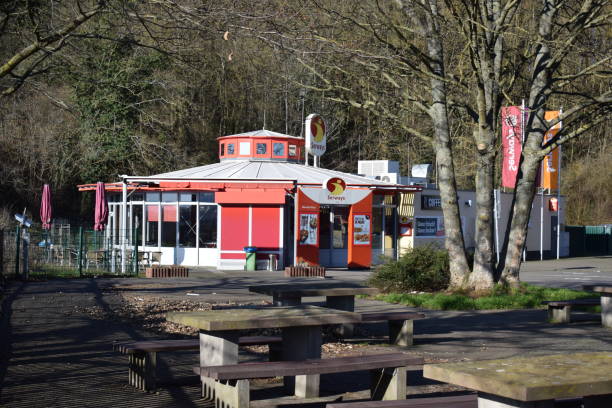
pixel 429 227
pixel 361 230
pixel 309 224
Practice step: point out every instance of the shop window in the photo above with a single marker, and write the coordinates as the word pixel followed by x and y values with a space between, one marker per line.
pixel 278 149
pixel 208 226
pixel 207 197
pixel 137 197
pixel 261 148
pixel 169 197
pixel 230 148
pixel 152 225
pixel 245 148
pixel 222 149
pixel 188 197
pixel 168 232
pixel 152 197
pixel 292 150
pixel 187 226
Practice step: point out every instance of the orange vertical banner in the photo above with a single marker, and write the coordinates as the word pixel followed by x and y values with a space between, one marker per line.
pixel 550 163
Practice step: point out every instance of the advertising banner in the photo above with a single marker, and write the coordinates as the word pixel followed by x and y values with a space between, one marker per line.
pixel 550 163
pixel 309 224
pixel 361 229
pixel 512 130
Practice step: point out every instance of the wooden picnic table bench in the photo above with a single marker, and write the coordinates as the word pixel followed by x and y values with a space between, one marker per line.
pixel 401 327
pixel 143 355
pixel 231 382
pixel 606 302
pixel 559 310
pixel 453 401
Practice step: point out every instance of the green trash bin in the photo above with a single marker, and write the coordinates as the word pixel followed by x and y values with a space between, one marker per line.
pixel 251 257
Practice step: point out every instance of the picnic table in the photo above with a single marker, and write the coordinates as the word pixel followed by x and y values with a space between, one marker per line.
pixel 338 295
pixel 606 302
pixel 301 328
pixel 532 381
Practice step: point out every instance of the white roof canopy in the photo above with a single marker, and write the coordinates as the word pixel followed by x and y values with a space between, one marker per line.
pixel 247 170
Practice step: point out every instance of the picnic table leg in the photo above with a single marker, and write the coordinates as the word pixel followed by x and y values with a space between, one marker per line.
pixel 495 401
pixel 218 349
pixel 346 303
pixel 595 401
pixel 280 300
pixel 302 343
pixel 606 309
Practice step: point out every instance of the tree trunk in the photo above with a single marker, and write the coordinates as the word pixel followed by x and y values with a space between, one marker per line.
pixel 441 144
pixel 484 262
pixel 531 157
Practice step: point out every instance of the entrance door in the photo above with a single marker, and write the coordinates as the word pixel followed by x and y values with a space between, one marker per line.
pixel 553 236
pixel 333 238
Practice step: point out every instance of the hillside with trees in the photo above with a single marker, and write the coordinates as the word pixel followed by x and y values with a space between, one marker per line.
pixel 91 89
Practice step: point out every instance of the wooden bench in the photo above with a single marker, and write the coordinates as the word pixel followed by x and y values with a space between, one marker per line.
pixel 228 385
pixel 454 401
pixel 559 310
pixel 401 327
pixel 143 355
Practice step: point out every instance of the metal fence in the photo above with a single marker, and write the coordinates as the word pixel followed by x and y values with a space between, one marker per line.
pixel 66 251
pixel 591 240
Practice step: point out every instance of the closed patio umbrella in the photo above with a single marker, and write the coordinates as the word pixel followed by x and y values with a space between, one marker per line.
pixel 45 208
pixel 101 209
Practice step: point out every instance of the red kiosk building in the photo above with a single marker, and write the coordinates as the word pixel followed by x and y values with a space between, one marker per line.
pixel 260 194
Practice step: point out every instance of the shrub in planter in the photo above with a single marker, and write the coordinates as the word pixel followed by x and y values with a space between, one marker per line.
pixel 424 268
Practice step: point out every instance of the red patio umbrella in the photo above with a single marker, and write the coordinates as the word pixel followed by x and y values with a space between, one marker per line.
pixel 45 208
pixel 101 210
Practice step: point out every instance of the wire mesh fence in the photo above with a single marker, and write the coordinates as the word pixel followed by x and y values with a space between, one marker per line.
pixel 67 251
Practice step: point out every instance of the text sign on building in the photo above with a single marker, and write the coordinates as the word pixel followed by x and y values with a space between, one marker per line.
pixel 334 191
pixel 430 202
pixel 316 137
pixel 428 227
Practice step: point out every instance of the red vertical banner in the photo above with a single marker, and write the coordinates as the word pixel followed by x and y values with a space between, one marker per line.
pixel 550 163
pixel 512 128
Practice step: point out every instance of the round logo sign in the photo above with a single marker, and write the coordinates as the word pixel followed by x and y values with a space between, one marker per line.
pixel 317 128
pixel 336 186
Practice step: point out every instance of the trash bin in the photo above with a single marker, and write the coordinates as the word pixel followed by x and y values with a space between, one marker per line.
pixel 251 257
pixel 273 262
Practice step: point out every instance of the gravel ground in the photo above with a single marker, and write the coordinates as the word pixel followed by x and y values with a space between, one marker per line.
pixel 56 336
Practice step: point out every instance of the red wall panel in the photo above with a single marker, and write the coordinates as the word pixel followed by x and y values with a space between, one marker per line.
pixel 234 228
pixel 266 227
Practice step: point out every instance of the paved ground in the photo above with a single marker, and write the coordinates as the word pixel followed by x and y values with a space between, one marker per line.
pixel 54 354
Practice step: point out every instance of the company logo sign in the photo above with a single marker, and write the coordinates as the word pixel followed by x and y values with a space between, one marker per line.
pixel 336 186
pixel 315 129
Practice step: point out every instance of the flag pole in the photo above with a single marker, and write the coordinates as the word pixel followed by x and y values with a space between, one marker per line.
pixel 523 120
pixel 559 189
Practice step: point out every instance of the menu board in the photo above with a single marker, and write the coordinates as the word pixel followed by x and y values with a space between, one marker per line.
pixel 361 230
pixel 309 224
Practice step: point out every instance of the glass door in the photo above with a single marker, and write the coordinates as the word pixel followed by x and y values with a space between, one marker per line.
pixel 333 236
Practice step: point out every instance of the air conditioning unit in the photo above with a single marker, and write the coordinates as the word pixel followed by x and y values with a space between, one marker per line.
pixel 422 171
pixel 373 168
pixel 389 177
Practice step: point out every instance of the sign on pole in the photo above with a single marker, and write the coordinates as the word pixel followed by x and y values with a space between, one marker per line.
pixel 316 136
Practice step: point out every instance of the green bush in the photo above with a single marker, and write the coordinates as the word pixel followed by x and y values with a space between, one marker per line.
pixel 423 268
